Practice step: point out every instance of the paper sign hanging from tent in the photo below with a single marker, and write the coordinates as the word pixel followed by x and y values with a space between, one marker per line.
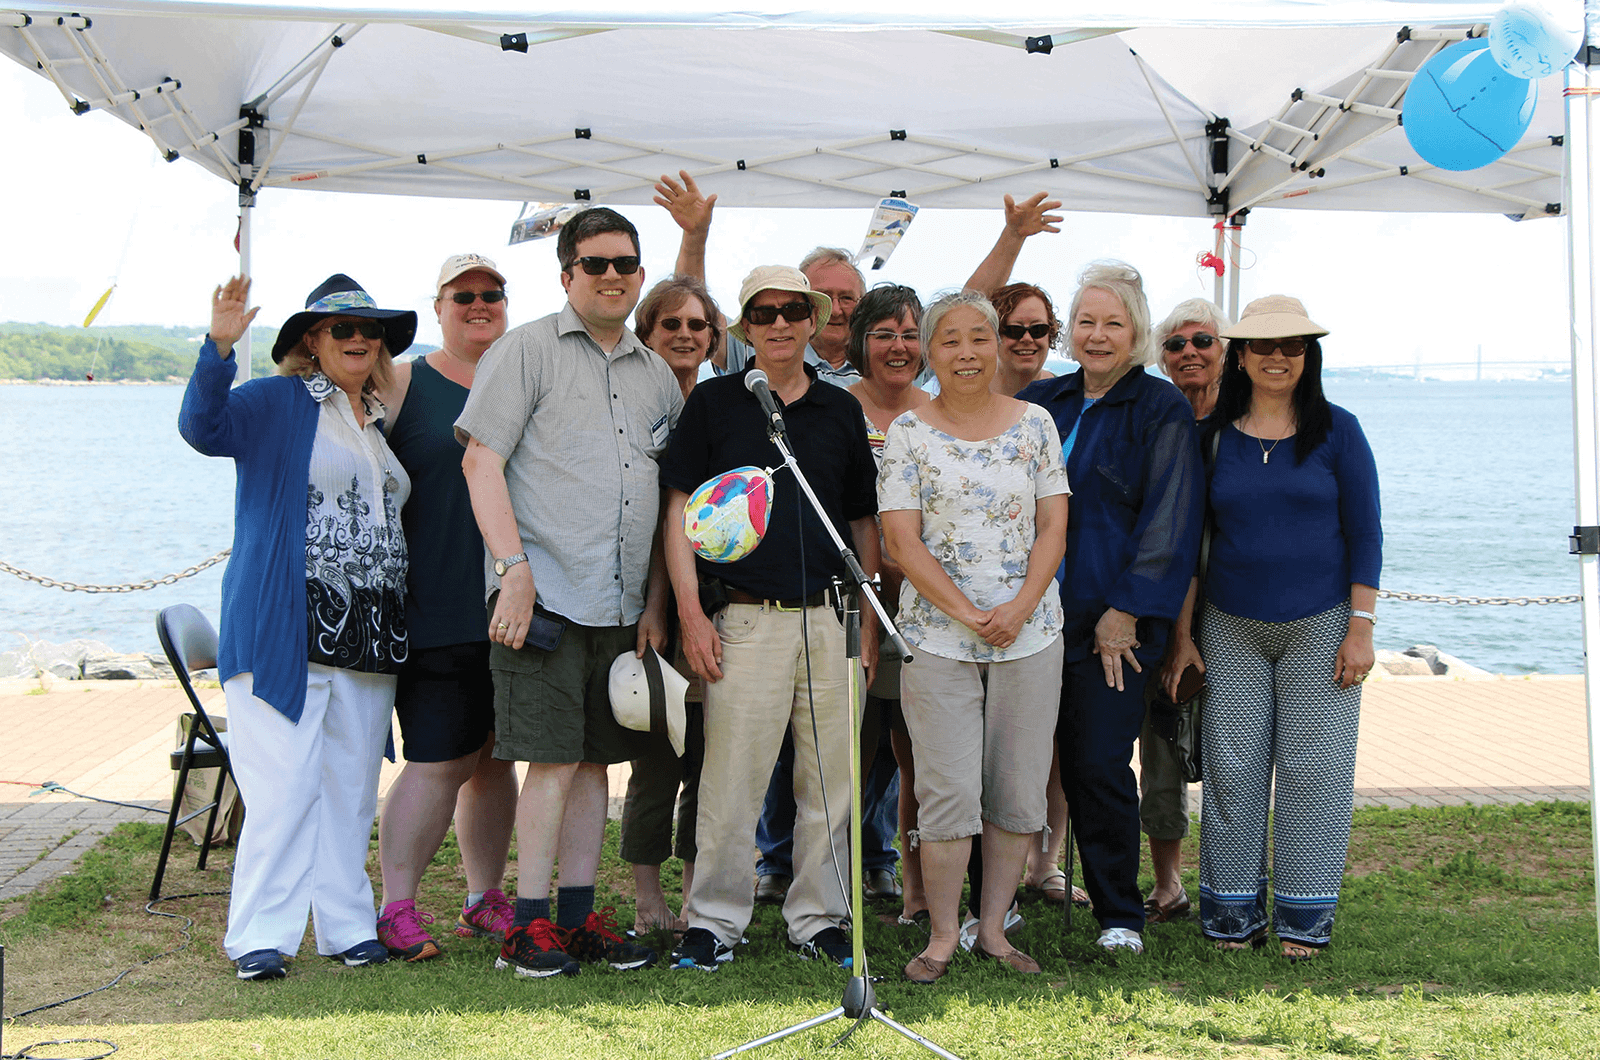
pixel 889 223
pixel 545 220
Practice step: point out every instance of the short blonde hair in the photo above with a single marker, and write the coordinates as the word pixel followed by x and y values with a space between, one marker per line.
pixel 300 360
pixel 1122 280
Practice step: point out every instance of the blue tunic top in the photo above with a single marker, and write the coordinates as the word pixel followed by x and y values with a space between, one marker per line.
pixel 1133 525
pixel 1291 538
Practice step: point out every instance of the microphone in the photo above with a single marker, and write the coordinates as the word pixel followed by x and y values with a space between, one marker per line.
pixel 755 381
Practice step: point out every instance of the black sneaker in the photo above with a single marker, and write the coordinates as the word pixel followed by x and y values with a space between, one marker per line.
pixel 829 944
pixel 597 940
pixel 262 964
pixel 535 951
pixel 363 954
pixel 700 950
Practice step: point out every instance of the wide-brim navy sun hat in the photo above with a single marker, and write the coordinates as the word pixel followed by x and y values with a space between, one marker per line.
pixel 339 295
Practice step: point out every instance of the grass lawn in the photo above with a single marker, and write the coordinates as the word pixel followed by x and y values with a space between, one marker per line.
pixel 1463 933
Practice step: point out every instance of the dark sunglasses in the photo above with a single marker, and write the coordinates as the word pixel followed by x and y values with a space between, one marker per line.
pixel 1016 331
pixel 370 329
pixel 1290 347
pixel 793 312
pixel 468 297
pixel 626 265
pixel 674 323
pixel 1201 341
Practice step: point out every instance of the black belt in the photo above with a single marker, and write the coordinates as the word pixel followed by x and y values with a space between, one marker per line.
pixel 816 599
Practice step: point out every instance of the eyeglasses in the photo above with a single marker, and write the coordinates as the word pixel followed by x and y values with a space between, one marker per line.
pixel 1200 339
pixel 370 329
pixel 674 323
pixel 910 338
pixel 626 265
pixel 489 297
pixel 1295 347
pixel 793 312
pixel 1016 331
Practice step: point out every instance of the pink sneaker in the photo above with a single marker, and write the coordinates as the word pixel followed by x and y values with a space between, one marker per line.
pixel 491 916
pixel 401 931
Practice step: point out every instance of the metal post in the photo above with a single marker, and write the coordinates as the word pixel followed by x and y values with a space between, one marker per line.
pixel 1236 226
pixel 247 205
pixel 1583 239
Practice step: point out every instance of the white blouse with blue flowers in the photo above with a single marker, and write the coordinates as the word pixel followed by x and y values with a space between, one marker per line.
pixel 978 502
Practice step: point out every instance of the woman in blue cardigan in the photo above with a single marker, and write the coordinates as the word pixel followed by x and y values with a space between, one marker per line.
pixel 1286 633
pixel 313 612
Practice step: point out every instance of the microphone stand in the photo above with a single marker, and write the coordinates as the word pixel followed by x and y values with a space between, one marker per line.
pixel 860 1002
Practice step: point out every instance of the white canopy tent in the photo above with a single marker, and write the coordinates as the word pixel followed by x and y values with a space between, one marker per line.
pixel 1205 108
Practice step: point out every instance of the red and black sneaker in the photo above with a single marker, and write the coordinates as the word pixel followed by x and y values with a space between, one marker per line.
pixel 597 940
pixel 535 951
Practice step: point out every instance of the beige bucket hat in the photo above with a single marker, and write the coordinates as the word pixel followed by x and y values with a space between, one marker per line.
pixel 647 696
pixel 1276 316
pixel 779 278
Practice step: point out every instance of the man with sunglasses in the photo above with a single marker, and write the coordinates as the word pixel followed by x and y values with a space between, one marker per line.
pixel 566 420
pixel 773 657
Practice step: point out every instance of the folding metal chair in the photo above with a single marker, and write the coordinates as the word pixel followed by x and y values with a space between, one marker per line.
pixel 191 644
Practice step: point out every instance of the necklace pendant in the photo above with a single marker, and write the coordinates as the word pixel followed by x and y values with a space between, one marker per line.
pixel 1265 455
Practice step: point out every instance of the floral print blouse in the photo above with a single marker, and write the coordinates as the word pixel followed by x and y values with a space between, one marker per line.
pixel 978 503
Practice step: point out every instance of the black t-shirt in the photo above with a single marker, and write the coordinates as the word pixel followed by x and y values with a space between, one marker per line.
pixel 722 427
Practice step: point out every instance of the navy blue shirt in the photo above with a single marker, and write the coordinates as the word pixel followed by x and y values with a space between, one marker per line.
pixel 722 427
pixel 1291 538
pixel 1138 502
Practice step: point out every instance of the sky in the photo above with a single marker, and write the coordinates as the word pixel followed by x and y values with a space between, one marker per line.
pixel 88 203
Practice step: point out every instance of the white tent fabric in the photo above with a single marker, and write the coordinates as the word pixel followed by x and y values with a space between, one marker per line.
pixel 835 105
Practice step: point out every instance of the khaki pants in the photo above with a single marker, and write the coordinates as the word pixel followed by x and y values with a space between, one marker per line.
pixel 762 693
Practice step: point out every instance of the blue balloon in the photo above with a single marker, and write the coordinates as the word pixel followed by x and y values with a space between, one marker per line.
pixel 1527 39
pixel 1463 111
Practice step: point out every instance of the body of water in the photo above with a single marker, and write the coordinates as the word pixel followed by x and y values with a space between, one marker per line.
pixel 1476 478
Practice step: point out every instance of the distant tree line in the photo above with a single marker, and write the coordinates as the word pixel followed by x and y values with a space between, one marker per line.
pixel 129 351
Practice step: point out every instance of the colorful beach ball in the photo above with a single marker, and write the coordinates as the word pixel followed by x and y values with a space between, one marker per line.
pixel 726 518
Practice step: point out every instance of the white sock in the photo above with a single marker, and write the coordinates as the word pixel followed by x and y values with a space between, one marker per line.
pixel 473 898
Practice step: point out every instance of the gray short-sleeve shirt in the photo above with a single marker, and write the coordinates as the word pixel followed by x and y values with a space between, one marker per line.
pixel 580 433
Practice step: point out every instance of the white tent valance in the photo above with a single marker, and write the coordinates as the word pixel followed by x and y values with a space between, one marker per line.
pixel 783 107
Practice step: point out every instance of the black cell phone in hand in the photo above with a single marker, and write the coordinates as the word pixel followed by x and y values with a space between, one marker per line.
pixel 544 632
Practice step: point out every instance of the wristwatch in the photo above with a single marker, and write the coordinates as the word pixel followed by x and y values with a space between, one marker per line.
pixel 503 565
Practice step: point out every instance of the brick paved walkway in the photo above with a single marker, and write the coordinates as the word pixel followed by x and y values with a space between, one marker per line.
pixel 1424 741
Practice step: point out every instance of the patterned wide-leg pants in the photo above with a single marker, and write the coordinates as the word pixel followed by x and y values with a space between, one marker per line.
pixel 1273 708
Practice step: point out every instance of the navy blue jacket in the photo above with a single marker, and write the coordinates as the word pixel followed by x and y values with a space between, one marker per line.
pixel 1137 508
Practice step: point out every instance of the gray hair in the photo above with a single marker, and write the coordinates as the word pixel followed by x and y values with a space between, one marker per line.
pixel 1193 311
pixel 1122 280
pixel 940 307
pixel 832 256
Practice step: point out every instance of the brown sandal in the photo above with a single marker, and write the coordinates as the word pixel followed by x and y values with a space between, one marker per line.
pixel 925 970
pixel 1013 958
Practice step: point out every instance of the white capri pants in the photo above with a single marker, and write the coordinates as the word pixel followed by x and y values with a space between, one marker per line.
pixel 310 793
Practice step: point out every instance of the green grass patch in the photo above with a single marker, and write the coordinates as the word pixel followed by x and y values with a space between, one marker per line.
pixel 1463 933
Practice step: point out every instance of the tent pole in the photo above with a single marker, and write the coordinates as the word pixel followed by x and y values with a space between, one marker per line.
pixel 1583 239
pixel 1235 244
pixel 247 205
pixel 1221 254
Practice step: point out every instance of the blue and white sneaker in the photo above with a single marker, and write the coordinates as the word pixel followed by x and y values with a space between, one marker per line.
pixel 363 954
pixel 701 950
pixel 262 964
pixel 831 945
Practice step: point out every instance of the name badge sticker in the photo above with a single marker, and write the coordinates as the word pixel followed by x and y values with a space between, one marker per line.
pixel 658 432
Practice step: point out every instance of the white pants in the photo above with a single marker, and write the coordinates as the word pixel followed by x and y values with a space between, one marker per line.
pixel 310 794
